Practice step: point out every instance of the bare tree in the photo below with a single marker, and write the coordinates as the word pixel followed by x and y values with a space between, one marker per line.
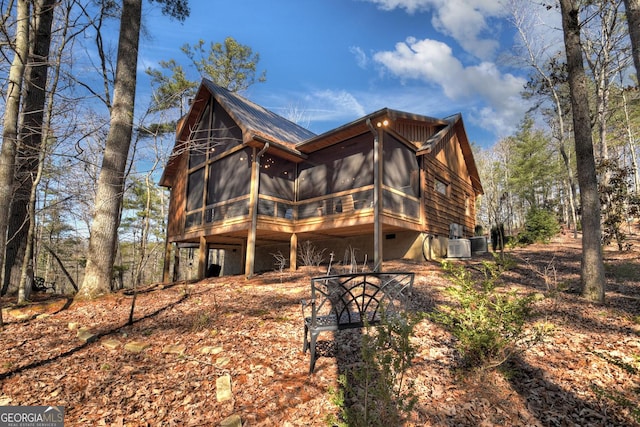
pixel 102 242
pixel 600 43
pixel 592 268
pixel 31 139
pixel 11 113
pixel 108 202
pixel 536 52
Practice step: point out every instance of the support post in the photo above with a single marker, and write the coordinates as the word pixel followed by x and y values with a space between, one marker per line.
pixel 167 261
pixel 202 258
pixel 253 212
pixel 377 195
pixel 176 264
pixel 293 252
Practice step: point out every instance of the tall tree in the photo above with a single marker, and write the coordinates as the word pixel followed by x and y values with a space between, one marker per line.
pixel 9 150
pixel 108 202
pixel 106 218
pixel 632 8
pixel 31 136
pixel 592 266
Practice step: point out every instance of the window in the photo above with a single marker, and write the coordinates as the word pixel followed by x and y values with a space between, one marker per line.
pixel 467 205
pixel 229 177
pixel 277 177
pixel 199 141
pixel 441 187
pixel 401 169
pixel 195 190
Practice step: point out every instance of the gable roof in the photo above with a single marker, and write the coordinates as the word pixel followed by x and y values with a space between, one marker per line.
pixel 261 126
pixel 360 126
pixel 257 121
pixel 455 126
pixel 258 124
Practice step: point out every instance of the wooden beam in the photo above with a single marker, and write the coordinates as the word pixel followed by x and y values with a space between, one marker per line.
pixel 377 199
pixel 293 252
pixel 167 261
pixel 203 255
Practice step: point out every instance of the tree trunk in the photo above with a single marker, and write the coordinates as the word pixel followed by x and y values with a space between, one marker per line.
pixel 633 19
pixel 106 217
pixel 592 269
pixel 31 135
pixel 11 114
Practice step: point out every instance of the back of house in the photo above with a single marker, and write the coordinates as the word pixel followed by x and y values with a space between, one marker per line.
pixel 250 188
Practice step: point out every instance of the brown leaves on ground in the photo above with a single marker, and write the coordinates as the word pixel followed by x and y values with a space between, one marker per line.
pixel 252 331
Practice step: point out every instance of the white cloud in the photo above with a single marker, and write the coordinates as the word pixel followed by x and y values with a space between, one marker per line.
pixel 317 109
pixel 433 62
pixel 464 20
pixel 329 105
pixel 361 58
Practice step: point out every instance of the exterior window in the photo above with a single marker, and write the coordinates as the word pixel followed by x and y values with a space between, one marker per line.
pixel 467 205
pixel 401 169
pixel 441 187
pixel 277 177
pixel 195 189
pixel 199 141
pixel 229 177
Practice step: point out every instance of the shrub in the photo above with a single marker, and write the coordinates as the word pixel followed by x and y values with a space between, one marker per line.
pixel 280 262
pixel 375 393
pixel 488 324
pixel 497 237
pixel 540 226
pixel 310 255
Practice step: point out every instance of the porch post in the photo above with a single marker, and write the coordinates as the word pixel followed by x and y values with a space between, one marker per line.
pixel 167 261
pixel 293 252
pixel 377 194
pixel 203 256
pixel 176 263
pixel 253 212
pixel 378 253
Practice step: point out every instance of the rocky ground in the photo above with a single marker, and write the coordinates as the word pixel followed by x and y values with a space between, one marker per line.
pixel 228 350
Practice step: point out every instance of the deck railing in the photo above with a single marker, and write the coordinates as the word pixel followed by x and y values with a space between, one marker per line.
pixel 394 202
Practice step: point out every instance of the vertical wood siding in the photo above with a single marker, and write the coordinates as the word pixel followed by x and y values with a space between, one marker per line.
pixel 418 134
pixel 446 163
pixel 177 202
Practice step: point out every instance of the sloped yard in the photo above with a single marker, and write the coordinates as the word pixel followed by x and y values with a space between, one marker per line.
pixel 191 335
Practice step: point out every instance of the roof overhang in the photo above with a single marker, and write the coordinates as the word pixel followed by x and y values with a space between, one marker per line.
pixel 284 151
pixel 360 126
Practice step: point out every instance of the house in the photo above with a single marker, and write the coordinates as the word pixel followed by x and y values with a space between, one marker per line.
pixel 247 183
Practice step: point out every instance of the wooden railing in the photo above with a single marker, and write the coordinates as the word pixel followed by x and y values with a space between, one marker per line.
pixel 394 202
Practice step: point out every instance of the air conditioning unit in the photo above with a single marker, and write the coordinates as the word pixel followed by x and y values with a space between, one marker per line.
pixel 478 244
pixel 459 248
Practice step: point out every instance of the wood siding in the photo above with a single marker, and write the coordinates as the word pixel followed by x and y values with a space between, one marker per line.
pixel 416 133
pixel 326 190
pixel 178 200
pixel 458 204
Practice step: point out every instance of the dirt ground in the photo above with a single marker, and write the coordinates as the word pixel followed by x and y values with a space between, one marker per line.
pixel 251 330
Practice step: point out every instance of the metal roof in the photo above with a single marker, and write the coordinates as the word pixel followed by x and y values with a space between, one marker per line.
pixel 257 120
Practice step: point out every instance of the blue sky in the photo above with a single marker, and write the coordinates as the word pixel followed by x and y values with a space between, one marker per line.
pixel 337 60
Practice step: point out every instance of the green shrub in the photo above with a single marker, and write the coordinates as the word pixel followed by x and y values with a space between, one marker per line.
pixel 375 392
pixel 497 237
pixel 487 323
pixel 540 226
